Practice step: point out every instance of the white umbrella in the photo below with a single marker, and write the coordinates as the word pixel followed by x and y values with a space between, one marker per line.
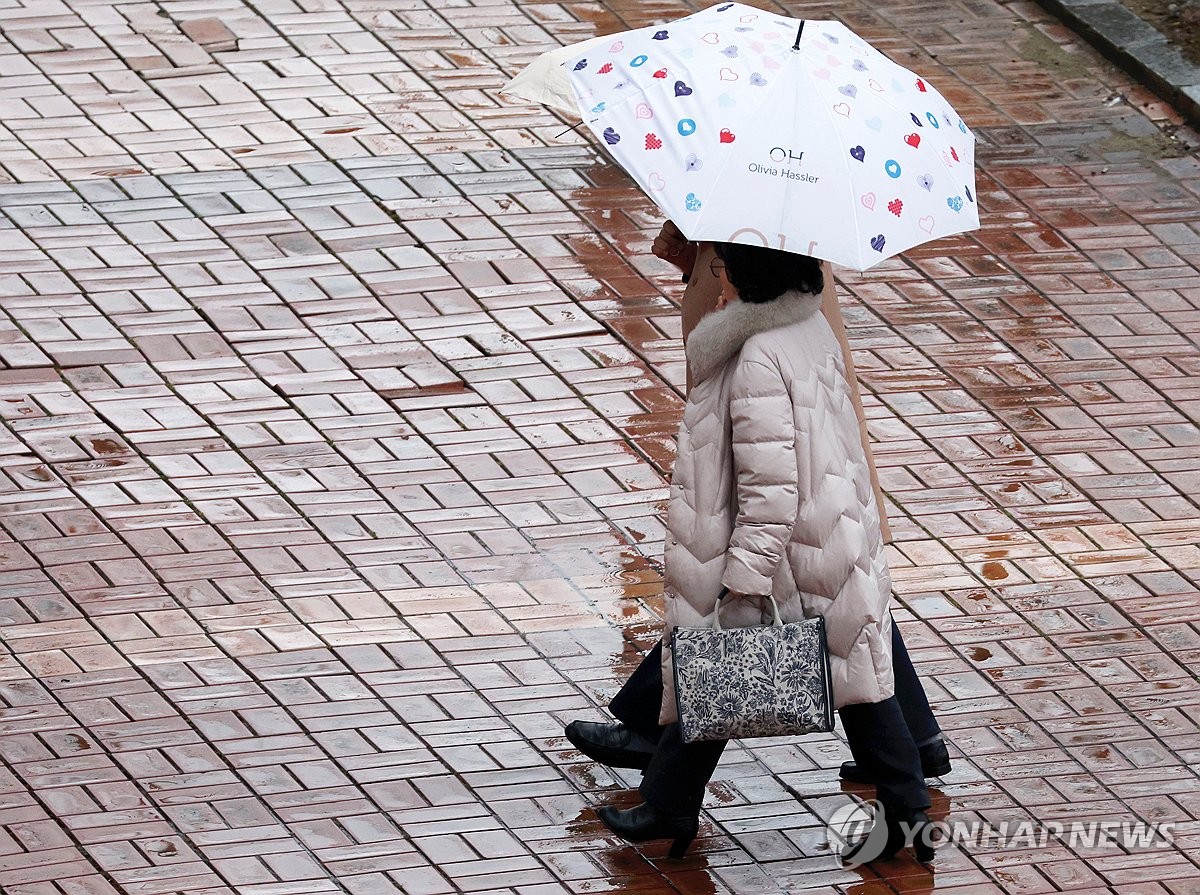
pixel 746 126
pixel 545 80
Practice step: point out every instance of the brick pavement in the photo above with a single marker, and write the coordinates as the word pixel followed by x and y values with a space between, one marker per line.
pixel 338 399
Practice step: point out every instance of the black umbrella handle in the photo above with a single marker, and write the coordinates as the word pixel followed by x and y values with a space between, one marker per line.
pixel 799 33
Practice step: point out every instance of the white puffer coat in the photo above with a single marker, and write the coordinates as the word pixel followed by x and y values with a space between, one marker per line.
pixel 772 493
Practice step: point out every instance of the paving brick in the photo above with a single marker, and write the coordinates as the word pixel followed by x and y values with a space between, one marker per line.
pixel 339 398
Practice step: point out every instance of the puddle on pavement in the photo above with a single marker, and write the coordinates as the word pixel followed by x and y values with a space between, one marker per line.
pixel 994 571
pixel 107 446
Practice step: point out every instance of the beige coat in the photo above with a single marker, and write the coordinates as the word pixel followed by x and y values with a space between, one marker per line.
pixel 772 492
pixel 701 296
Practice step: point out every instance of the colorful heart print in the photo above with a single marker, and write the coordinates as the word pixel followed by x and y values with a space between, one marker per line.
pixel 661 73
pixel 611 137
pixel 915 119
pixel 926 223
pixel 643 111
pixel 896 207
pixel 692 163
pixel 953 154
pixel 730 51
pixel 725 101
pixel 686 127
pixel 926 182
pixel 859 65
pixel 728 74
pixel 692 203
pixel 727 136
pixel 822 73
pixel 653 142
pixel 842 109
pixel 656 181
pixel 848 90
pixel 829 37
pixel 913 140
pixel 617 47
pixel 711 38
pixel 858 153
pixel 758 80
pixel 955 202
pixel 874 124
pixel 967 190
pixel 868 201
pixel 921 85
pixel 878 243
pixel 581 65
pixel 725 7
pixel 682 89
pixel 661 35
pixel 605 68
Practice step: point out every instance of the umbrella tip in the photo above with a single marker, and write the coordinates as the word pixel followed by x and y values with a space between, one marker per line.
pixel 799 33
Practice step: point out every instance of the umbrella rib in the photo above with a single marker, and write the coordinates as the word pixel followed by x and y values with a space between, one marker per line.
pixel 772 86
pixel 838 135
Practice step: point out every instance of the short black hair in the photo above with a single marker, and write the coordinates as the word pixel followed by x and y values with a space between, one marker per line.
pixel 760 274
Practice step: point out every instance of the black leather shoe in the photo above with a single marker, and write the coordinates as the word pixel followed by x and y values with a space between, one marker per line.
pixel 892 831
pixel 935 762
pixel 613 744
pixel 643 823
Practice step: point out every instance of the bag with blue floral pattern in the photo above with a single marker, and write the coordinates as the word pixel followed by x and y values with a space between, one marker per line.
pixel 771 680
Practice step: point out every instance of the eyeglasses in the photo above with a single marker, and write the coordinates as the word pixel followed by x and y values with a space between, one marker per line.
pixel 716 265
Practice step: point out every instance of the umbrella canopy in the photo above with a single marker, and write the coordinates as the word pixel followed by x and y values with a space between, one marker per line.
pixel 746 126
pixel 545 80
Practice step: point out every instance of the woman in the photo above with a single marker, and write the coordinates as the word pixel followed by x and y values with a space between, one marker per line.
pixel 772 494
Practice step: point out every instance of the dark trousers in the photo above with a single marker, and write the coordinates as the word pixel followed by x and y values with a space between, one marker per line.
pixel 882 736
pixel 914 704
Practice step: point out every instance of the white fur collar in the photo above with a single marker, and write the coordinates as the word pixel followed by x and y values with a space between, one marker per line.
pixel 721 334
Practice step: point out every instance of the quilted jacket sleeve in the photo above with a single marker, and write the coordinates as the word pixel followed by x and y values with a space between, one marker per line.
pixel 764 458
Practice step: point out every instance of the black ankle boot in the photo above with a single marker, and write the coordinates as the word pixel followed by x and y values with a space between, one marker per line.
pixel 643 823
pixel 893 830
pixel 935 762
pixel 611 744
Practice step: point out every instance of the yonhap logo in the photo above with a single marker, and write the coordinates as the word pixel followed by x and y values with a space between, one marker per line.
pixel 857 835
pixel 852 824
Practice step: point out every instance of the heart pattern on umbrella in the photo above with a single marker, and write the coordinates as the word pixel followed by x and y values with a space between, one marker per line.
pixel 735 158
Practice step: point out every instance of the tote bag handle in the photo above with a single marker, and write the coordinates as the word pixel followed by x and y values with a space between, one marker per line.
pixel 716 625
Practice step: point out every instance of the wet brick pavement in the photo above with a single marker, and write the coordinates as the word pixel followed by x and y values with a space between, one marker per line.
pixel 338 399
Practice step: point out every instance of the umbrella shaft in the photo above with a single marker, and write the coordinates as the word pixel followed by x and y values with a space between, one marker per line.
pixel 799 33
